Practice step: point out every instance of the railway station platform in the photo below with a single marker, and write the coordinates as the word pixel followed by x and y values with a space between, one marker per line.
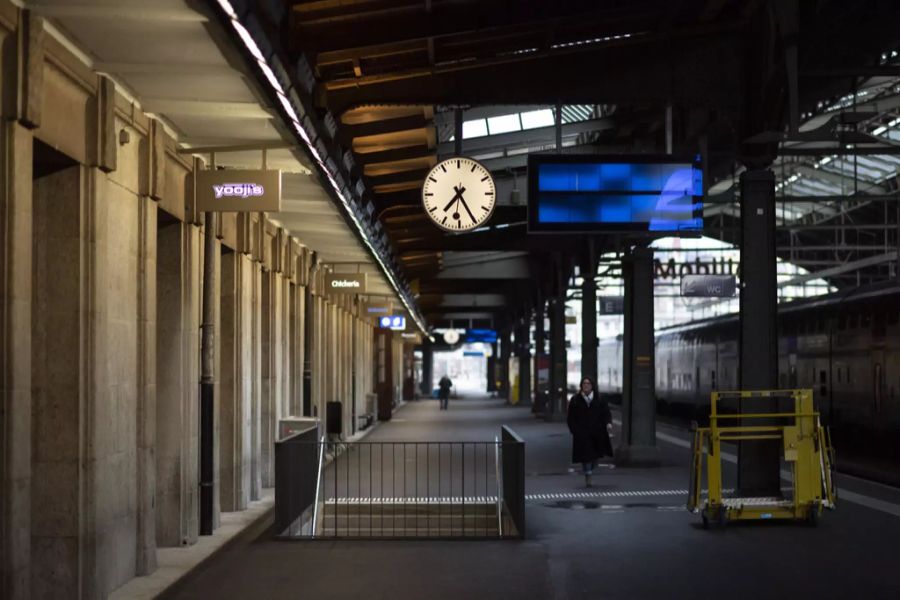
pixel 629 536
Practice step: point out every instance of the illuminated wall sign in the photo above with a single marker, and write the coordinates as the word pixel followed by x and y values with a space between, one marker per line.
pixel 395 322
pixel 346 283
pixel 233 190
pixel 377 309
pixel 708 286
pixel 612 305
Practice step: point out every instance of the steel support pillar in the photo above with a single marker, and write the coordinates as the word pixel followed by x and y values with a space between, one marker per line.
pixel 541 360
pixel 427 368
pixel 589 318
pixel 758 461
pixel 637 446
pixel 492 369
pixel 558 359
pixel 505 353
pixel 523 352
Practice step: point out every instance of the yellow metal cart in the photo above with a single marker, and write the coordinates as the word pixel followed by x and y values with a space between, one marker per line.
pixel 806 446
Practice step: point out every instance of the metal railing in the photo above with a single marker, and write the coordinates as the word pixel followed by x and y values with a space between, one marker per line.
pixel 403 489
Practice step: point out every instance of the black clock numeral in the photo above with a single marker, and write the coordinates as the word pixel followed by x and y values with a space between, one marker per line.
pixel 432 209
pixel 473 169
pixel 489 193
pixel 485 178
pixel 432 179
pixel 443 168
pixel 457 164
pixel 429 194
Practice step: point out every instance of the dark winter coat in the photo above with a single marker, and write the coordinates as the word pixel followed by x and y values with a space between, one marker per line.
pixel 445 384
pixel 587 424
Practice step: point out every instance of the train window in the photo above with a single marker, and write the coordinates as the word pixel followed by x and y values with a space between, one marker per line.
pixel 865 320
pixel 821 376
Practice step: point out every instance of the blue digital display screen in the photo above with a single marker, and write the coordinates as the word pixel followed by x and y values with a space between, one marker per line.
pixel 488 336
pixel 614 193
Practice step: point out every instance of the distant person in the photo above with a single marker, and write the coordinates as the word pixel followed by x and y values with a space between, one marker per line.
pixel 444 392
pixel 590 423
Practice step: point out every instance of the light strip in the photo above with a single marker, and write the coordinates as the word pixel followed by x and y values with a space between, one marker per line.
pixel 269 74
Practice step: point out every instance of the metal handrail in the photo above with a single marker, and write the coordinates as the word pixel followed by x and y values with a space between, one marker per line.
pixel 315 515
pixel 499 473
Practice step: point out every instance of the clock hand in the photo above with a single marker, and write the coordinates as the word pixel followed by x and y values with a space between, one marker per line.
pixel 456 196
pixel 466 206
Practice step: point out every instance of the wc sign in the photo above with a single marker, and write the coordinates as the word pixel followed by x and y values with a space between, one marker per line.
pixel 708 286
pixel 346 283
pixel 238 190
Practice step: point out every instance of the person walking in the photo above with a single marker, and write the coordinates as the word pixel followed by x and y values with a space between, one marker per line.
pixel 590 423
pixel 444 392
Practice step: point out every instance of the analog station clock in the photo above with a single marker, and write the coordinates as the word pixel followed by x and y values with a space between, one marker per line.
pixel 459 194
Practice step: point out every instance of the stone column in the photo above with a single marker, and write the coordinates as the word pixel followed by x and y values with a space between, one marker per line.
pixel 256 402
pixel 638 439
pixel 234 399
pixel 146 386
pixel 15 359
pixel 269 394
pixel 758 461
pixel 177 381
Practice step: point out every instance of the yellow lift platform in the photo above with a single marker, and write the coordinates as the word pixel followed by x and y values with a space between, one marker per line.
pixel 806 447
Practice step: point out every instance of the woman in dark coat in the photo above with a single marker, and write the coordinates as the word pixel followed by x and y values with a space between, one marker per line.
pixel 590 423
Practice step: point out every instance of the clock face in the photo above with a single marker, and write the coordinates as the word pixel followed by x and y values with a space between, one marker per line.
pixel 459 194
pixel 451 336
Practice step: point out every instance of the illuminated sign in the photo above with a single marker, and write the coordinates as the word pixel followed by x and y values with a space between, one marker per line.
pixel 377 308
pixel 395 322
pixel 577 193
pixel 238 190
pixel 344 283
pixel 612 305
pixel 708 286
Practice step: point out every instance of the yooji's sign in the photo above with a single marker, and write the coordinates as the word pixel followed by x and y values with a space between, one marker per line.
pixel 238 190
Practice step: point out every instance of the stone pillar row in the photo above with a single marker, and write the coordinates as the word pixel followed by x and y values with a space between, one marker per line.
pixel 101 262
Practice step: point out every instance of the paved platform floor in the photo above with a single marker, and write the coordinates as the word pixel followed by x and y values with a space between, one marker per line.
pixel 627 537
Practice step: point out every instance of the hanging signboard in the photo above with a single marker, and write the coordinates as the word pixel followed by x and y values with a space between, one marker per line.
pixel 346 283
pixel 233 190
pixel 612 305
pixel 708 286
